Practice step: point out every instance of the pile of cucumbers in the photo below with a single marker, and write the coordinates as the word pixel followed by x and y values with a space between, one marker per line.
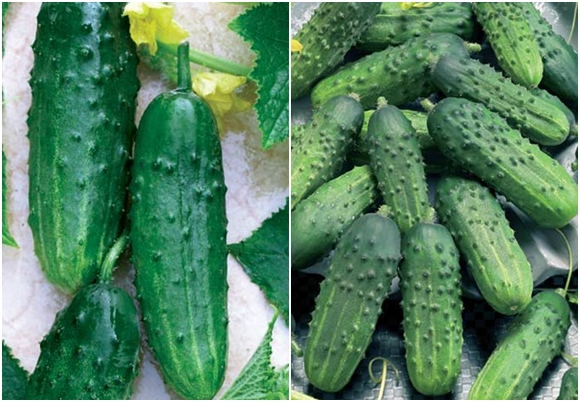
pixel 362 167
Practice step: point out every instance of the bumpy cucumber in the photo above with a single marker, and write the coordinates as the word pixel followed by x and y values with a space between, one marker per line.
pixel 81 123
pixel 559 58
pixel 569 387
pixel 319 220
pixel 393 25
pixel 179 238
pixel 320 154
pixel 400 74
pixel 532 341
pixel 14 377
pixel 512 41
pixel 535 117
pixel 325 39
pixel 395 158
pixel 482 142
pixel 554 100
pixel 350 299
pixel 431 292
pixel 483 235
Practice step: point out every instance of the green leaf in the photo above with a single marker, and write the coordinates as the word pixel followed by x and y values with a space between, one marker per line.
pixel 6 236
pixel 14 377
pixel 264 256
pixel 259 380
pixel 265 27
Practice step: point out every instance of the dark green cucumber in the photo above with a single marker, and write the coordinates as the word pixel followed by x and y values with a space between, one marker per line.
pixel 359 278
pixel 554 100
pixel 559 58
pixel 396 161
pixel 569 387
pixel 535 117
pixel 393 25
pixel 14 377
pixel 532 341
pixel 326 140
pixel 431 303
pixel 178 235
pixel 81 124
pixel 481 142
pixel 485 239
pixel 400 74
pixel 512 41
pixel 319 220
pixel 331 31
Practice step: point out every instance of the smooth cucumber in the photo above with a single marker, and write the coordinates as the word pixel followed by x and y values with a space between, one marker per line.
pixel 482 142
pixel 81 124
pixel 178 235
pixel 532 341
pixel 359 277
pixel 325 38
pixel 431 303
pixel 485 239
pixel 569 387
pixel 512 41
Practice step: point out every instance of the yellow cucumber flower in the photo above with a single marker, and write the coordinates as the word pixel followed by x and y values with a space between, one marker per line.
pixel 406 6
pixel 219 90
pixel 295 46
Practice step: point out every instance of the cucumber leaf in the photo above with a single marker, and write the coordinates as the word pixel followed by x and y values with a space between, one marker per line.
pixel 14 377
pixel 6 236
pixel 266 27
pixel 264 256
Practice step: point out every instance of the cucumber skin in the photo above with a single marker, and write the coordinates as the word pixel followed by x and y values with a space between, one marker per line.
pixel 14 377
pixel 558 57
pixel 324 144
pixel 92 349
pixel 431 303
pixel 331 31
pixel 350 300
pixel 532 341
pixel 512 41
pixel 483 235
pixel 554 100
pixel 394 26
pixel 396 161
pixel 569 387
pixel 510 164
pixel 535 117
pixel 320 220
pixel 81 124
pixel 401 74
pixel 178 189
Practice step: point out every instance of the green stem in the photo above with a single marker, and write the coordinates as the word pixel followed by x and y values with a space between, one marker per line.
pixel 183 70
pixel 111 258
pixel 299 396
pixel 296 348
pixel 427 105
pixel 570 257
pixel 573 23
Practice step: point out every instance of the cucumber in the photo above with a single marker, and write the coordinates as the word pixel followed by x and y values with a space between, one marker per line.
pixel 393 25
pixel 396 161
pixel 554 100
pixel 81 123
pixel 348 306
pixel 400 74
pixel 512 41
pixel 319 220
pixel 481 142
pixel 431 303
pixel 178 189
pixel 331 31
pixel 569 387
pixel 535 117
pixel 532 341
pixel 324 144
pixel 558 57
pixel 485 239
pixel 14 377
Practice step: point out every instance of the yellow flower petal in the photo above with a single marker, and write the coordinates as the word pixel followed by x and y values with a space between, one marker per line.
pixel 295 46
pixel 219 90
pixel 408 5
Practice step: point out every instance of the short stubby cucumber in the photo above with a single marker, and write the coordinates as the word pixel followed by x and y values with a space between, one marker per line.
pixel 512 41
pixel 532 341
pixel 535 117
pixel 393 25
pixel 485 239
pixel 396 161
pixel 431 303
pixel 559 58
pixel 569 387
pixel 324 144
pixel 482 142
pixel 401 74
pixel 81 124
pixel 331 31
pixel 359 278
pixel 319 220
pixel 178 234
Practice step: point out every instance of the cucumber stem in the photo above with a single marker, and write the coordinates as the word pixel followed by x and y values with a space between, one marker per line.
pixel 111 258
pixel 299 396
pixel 427 105
pixel 573 23
pixel 383 379
pixel 296 348
pixel 472 47
pixel 381 102
pixel 570 257
pixel 183 70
